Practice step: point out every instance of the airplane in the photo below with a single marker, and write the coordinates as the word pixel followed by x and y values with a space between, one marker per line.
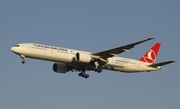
pixel 81 61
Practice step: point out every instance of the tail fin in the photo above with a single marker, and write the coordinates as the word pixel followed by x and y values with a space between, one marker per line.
pixel 151 55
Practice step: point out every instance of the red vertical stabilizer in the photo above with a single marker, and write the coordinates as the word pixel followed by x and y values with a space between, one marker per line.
pixel 151 54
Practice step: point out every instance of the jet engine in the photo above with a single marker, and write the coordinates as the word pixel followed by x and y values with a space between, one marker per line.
pixel 60 68
pixel 82 57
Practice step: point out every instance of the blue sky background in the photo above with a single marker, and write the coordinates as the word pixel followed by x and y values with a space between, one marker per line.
pixel 92 25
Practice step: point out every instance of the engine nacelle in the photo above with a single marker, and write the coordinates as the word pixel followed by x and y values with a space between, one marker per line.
pixel 60 68
pixel 82 57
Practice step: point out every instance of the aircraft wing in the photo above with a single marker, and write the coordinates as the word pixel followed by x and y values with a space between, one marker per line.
pixel 161 63
pixel 115 51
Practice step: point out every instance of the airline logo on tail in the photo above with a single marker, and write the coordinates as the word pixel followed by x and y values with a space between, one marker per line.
pixel 151 55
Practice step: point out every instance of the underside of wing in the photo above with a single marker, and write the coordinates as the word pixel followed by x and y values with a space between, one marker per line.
pixel 115 51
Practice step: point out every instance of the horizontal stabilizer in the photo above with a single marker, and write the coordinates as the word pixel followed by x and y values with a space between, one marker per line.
pixel 161 63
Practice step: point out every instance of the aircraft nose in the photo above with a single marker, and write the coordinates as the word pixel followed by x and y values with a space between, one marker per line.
pixel 12 49
pixel 16 49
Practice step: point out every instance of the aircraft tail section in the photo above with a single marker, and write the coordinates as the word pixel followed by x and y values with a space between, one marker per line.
pixel 161 63
pixel 151 55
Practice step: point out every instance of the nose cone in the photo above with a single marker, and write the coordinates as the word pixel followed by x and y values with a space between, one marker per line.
pixel 12 49
pixel 16 49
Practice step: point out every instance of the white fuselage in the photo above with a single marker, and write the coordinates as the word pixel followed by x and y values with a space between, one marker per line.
pixel 64 55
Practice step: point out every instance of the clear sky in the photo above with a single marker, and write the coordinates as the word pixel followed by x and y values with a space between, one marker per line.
pixel 92 25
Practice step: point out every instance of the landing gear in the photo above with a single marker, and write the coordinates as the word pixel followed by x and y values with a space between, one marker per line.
pixel 23 62
pixel 83 74
pixel 23 59
pixel 97 68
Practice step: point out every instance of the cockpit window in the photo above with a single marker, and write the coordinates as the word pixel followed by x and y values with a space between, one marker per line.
pixel 16 45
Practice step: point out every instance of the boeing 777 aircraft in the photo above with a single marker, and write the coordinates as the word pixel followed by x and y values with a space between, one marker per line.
pixel 74 60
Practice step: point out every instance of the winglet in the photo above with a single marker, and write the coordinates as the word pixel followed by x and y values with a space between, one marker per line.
pixel 144 40
pixel 151 38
